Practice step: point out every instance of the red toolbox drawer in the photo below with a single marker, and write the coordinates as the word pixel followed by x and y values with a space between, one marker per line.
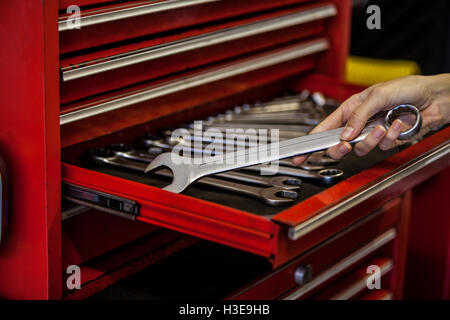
pixel 118 21
pixel 279 234
pixel 123 106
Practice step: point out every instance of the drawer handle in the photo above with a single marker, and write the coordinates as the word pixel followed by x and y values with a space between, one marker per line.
pixel 130 12
pixel 360 285
pixel 138 56
pixel 303 274
pixel 344 264
pixel 358 197
pixel 220 73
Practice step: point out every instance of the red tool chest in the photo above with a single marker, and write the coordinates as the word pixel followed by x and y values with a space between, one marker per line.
pixel 138 66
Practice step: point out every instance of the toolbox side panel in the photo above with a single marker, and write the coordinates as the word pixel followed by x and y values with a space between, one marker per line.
pixel 30 257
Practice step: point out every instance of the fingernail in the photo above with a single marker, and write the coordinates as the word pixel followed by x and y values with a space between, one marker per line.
pixel 343 148
pixel 347 133
pixel 379 132
pixel 397 125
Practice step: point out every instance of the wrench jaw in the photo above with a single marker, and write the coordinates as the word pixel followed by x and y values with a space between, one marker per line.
pixel 283 182
pixel 182 173
pixel 102 156
pixel 278 197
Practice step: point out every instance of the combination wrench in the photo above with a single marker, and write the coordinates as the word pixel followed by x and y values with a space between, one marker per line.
pixel 272 196
pixel 185 172
pixel 316 161
pixel 157 145
pixel 287 182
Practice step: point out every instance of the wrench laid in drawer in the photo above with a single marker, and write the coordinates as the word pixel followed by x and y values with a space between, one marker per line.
pixel 272 196
pixel 185 171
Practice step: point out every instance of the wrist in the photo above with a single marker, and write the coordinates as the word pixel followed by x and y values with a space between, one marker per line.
pixel 439 86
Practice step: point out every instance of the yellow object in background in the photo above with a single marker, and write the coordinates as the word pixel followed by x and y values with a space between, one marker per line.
pixel 367 71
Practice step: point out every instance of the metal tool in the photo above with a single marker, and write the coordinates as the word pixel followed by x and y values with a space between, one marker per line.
pixel 287 129
pixel 316 161
pixel 185 172
pixel 285 118
pixel 326 176
pixel 272 196
pixel 157 145
pixel 287 182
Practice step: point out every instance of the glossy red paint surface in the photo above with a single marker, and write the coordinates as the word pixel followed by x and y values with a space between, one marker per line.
pixel 30 256
pixel 163 21
pixel 251 233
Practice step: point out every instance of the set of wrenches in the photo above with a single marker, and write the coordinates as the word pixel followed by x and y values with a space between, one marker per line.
pixel 292 116
pixel 277 190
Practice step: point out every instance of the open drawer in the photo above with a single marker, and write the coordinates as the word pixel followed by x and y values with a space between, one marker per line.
pixel 279 234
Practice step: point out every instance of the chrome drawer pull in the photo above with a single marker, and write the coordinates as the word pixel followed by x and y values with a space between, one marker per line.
pixel 344 264
pixel 193 43
pixel 220 73
pixel 359 286
pixel 327 215
pixel 125 13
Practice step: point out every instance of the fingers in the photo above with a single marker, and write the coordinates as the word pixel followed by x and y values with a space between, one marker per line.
pixel 299 160
pixel 389 140
pixel 371 141
pixel 375 102
pixel 340 150
pixel 341 114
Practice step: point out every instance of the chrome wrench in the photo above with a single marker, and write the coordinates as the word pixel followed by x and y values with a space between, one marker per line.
pixel 272 196
pixel 156 145
pixel 316 161
pixel 185 171
pixel 286 182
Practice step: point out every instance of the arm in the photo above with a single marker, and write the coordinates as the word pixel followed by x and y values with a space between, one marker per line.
pixel 431 94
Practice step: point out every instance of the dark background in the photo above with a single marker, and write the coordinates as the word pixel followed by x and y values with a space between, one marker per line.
pixel 410 29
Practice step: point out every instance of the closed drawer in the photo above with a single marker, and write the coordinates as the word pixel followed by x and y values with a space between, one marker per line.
pixel 317 267
pixel 89 118
pixel 109 69
pixel 355 282
pixel 116 21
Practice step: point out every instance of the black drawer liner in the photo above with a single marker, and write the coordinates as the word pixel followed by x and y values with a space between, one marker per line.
pixel 351 165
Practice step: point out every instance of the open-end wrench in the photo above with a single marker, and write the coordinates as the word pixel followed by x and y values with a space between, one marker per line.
pixel 287 182
pixel 185 171
pixel 320 173
pixel 316 161
pixel 156 145
pixel 287 129
pixel 291 118
pixel 272 196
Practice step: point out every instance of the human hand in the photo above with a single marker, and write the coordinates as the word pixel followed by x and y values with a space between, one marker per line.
pixel 431 94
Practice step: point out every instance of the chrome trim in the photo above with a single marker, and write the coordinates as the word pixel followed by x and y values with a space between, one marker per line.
pixel 125 13
pixel 327 215
pixel 358 255
pixel 197 42
pixel 73 211
pixel 360 285
pixel 220 73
